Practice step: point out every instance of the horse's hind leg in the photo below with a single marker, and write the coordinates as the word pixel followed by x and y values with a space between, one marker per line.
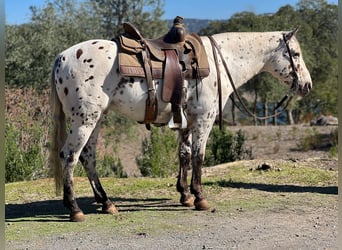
pixel 70 153
pixel 88 160
pixel 184 166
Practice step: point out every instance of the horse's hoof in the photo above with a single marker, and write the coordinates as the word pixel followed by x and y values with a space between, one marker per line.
pixel 111 209
pixel 77 217
pixel 187 201
pixel 201 204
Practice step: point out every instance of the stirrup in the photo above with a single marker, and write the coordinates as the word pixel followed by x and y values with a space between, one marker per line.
pixel 176 125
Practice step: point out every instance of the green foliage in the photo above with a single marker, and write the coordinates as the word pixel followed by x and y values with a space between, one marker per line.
pixel 144 14
pixel 26 134
pixel 317 35
pixel 333 151
pixel 223 146
pixel 159 154
pixel 25 158
pixel 106 166
pixel 31 48
pixel 310 140
pixel 116 125
pixel 313 140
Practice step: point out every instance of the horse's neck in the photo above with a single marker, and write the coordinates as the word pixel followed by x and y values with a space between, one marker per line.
pixel 247 53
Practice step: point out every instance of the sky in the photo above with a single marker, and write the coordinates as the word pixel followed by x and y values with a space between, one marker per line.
pixel 18 12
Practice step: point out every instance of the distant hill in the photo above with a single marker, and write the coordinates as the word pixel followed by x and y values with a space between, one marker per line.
pixel 193 25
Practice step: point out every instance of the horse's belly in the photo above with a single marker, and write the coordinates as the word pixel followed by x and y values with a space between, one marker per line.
pixel 131 103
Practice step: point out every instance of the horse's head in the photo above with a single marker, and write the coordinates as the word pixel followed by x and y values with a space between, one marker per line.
pixel 288 65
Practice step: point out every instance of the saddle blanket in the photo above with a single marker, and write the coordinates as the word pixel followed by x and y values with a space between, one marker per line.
pixel 189 52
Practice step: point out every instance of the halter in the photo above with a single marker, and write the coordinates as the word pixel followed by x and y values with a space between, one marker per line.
pixel 293 89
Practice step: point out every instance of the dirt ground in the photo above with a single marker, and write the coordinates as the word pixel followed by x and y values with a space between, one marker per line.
pixel 301 227
pixel 266 142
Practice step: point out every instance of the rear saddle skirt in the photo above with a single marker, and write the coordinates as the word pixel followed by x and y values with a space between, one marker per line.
pixel 162 58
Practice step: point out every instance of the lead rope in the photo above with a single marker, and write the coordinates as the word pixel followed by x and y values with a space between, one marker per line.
pixel 214 45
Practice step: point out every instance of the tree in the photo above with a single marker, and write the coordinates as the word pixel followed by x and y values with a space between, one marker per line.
pixel 32 47
pixel 317 21
pixel 145 14
pixel 321 47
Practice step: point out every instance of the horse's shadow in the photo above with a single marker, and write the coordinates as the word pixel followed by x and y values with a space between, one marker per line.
pixel 286 188
pixel 54 211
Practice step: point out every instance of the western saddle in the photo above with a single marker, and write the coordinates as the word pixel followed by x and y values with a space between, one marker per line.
pixel 173 57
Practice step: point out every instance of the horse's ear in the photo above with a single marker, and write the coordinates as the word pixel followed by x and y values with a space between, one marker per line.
pixel 292 33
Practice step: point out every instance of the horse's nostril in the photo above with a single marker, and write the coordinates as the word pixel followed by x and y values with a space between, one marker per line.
pixel 306 88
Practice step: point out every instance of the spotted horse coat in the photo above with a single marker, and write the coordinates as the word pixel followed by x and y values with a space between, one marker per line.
pixel 86 84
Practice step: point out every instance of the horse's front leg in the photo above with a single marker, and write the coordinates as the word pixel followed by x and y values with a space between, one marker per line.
pixel 88 160
pixel 184 166
pixel 200 136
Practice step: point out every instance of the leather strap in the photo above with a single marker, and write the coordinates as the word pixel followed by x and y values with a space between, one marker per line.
pixel 173 79
pixel 218 75
pixel 151 102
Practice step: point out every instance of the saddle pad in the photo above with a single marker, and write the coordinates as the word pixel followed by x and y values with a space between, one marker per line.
pixel 131 64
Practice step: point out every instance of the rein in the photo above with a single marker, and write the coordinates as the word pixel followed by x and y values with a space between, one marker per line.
pixel 294 86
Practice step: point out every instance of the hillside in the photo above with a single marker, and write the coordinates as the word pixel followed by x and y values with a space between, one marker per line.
pixel 193 25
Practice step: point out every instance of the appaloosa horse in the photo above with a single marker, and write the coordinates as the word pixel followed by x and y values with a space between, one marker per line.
pixel 86 83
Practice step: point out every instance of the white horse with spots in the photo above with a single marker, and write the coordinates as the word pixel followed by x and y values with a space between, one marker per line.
pixel 86 83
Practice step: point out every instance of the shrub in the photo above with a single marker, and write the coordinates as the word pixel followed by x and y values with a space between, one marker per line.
pixel 159 153
pixel 107 166
pixel 26 134
pixel 312 140
pixel 333 151
pixel 24 150
pixel 223 146
pixel 110 166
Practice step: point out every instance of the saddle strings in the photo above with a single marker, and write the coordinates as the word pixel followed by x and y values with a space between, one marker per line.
pixel 197 72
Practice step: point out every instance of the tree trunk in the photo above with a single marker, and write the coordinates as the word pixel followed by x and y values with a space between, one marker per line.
pixel 275 118
pixel 233 109
pixel 255 106
pixel 289 117
pixel 265 112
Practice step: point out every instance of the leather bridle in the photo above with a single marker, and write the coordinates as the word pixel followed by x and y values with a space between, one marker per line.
pixel 289 96
pixel 294 86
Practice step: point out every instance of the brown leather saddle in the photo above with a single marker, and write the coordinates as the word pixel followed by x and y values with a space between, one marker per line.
pixel 173 57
